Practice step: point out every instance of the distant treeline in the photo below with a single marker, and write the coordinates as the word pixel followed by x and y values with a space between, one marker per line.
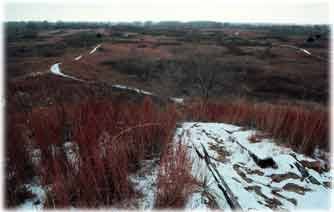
pixel 29 29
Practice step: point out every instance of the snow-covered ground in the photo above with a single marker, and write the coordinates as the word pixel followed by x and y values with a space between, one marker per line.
pixel 297 48
pixel 78 58
pixel 177 100
pixel 277 187
pixel 148 93
pixel 307 52
pixel 94 50
pixel 55 69
pixel 140 91
pixel 145 182
pixel 37 202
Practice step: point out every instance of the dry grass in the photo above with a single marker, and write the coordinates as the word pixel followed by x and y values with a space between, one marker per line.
pixel 258 136
pixel 18 167
pixel 111 139
pixel 302 128
pixel 175 182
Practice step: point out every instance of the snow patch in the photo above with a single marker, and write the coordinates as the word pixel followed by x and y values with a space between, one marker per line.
pixel 133 89
pixel 78 58
pixel 94 50
pixel 307 52
pixel 297 48
pixel 55 69
pixel 253 186
pixel 37 201
pixel 145 182
pixel 177 100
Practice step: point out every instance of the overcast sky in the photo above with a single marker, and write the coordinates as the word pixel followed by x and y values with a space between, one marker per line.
pixel 266 11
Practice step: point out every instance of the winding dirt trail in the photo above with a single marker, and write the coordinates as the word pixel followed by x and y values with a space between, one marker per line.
pixel 55 69
pixel 304 51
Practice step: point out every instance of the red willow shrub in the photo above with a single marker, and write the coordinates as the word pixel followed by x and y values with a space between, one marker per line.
pixel 302 128
pixel 19 169
pixel 111 138
pixel 175 181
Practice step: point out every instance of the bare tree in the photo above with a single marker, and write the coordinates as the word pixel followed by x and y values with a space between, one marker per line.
pixel 205 71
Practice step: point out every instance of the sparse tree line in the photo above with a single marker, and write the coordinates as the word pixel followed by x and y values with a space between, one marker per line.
pixel 29 29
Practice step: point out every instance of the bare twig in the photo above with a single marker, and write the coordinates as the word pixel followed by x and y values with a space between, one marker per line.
pixel 132 128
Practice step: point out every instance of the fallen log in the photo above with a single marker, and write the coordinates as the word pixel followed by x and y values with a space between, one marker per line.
pixel 222 185
pixel 305 174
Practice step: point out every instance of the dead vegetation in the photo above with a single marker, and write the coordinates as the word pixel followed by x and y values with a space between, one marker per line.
pixel 175 182
pixel 108 140
pixel 304 129
pixel 84 139
pixel 295 188
pixel 281 177
pixel 269 202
